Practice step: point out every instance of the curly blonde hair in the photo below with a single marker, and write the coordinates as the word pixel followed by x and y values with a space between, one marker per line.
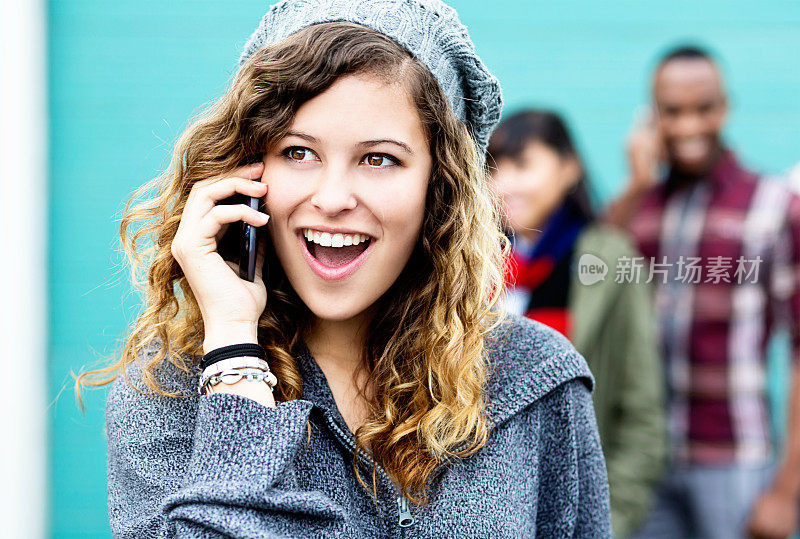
pixel 425 352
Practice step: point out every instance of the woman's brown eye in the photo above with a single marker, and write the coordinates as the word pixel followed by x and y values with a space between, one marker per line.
pixel 297 154
pixel 379 160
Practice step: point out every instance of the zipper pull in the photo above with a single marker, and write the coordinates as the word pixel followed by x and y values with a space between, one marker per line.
pixel 406 519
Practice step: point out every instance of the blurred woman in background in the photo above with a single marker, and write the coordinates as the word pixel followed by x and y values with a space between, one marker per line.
pixel 556 275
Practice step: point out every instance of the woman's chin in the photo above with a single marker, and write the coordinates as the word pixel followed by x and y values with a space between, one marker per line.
pixel 335 311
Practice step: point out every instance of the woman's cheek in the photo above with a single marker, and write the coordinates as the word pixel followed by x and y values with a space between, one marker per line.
pixel 405 194
pixel 400 212
pixel 285 191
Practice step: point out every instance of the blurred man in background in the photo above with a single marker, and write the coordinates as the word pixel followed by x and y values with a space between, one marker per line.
pixel 728 243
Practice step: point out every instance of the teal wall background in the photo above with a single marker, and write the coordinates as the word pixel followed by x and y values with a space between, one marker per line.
pixel 125 77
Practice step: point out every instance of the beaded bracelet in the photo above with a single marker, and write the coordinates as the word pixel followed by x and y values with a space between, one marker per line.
pixel 233 376
pixel 228 364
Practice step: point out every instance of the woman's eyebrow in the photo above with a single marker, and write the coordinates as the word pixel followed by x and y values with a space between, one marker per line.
pixel 303 136
pixel 370 143
pixel 364 144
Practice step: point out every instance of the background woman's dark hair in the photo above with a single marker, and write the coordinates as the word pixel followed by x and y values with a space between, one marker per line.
pixel 536 125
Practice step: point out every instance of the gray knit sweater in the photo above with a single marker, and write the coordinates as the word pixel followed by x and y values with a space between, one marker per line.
pixel 223 465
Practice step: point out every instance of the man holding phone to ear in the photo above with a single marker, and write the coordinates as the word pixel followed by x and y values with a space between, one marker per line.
pixel 726 244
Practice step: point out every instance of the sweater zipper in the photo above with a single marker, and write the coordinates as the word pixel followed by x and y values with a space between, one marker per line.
pixel 404 517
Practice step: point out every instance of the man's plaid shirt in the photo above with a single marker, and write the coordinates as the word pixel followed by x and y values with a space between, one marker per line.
pixel 724 254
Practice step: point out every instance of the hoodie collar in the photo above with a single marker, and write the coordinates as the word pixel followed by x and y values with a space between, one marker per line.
pixel 315 386
pixel 526 359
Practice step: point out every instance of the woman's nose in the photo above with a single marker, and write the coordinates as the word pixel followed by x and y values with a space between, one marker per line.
pixel 333 192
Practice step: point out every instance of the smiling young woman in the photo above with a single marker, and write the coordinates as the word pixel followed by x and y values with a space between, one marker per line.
pixel 382 267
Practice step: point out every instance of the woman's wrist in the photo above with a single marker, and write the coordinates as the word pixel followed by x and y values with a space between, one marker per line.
pixel 217 336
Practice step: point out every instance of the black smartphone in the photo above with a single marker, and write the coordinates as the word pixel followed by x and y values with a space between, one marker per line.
pixel 239 244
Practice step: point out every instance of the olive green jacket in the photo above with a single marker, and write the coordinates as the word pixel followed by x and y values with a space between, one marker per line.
pixel 613 327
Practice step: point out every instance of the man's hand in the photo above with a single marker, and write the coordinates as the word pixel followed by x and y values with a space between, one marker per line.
pixel 774 516
pixel 645 150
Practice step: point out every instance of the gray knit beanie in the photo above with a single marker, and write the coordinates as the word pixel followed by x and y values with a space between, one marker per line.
pixel 429 29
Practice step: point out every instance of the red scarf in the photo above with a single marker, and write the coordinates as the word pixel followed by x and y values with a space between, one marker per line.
pixel 530 274
pixel 532 271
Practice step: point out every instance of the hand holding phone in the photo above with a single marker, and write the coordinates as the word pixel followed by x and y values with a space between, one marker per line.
pixel 240 242
pixel 645 149
pixel 230 306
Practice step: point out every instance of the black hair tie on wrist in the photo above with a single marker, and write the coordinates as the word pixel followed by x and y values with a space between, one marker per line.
pixel 233 350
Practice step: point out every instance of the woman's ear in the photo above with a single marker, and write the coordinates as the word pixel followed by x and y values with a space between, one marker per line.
pixel 571 171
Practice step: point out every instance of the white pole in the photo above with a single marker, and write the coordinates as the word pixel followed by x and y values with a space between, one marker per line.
pixel 23 264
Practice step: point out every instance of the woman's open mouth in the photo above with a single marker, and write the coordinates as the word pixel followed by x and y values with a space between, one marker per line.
pixel 334 256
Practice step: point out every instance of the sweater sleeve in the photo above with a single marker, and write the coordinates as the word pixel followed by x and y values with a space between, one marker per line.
pixel 210 466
